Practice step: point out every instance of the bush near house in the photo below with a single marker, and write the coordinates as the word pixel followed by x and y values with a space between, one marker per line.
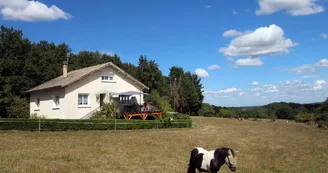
pixel 62 125
pixel 108 111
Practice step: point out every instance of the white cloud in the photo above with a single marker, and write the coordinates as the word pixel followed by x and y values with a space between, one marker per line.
pixel 256 89
pixel 288 91
pixel 225 92
pixel 208 6
pixel 255 83
pixel 309 76
pixel 296 84
pixel 322 63
pixel 249 62
pixel 230 59
pixel 324 36
pixel 214 67
pixel 270 88
pixel 201 73
pixel 301 86
pixel 235 33
pixel 266 89
pixel 319 84
pixel 292 7
pixel 256 94
pixel 234 12
pixel 263 41
pixel 228 90
pixel 307 69
pixel 232 33
pixel 25 10
pixel 304 69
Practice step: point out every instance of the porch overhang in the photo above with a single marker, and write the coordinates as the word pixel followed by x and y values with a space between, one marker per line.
pixel 130 93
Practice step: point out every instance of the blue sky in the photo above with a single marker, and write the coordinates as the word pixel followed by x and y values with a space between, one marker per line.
pixel 278 46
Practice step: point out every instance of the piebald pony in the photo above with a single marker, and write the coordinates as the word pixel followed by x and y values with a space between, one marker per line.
pixel 211 161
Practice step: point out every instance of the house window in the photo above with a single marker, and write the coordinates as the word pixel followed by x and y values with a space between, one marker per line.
pixel 56 102
pixel 124 100
pixel 83 100
pixel 37 104
pixel 107 77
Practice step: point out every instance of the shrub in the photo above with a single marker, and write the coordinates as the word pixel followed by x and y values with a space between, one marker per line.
pixel 104 124
pixel 206 110
pixel 272 117
pixel 178 116
pixel 181 116
pixel 323 124
pixel 161 103
pixel 226 113
pixel 305 117
pixel 19 108
pixel 108 111
pixel 37 116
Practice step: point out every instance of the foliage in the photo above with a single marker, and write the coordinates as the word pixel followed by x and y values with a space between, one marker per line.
pixel 216 109
pixel 323 124
pixel 149 73
pixel 19 108
pixel 37 116
pixel 108 110
pixel 161 103
pixel 60 125
pixel 176 116
pixel 206 110
pixel 226 113
pixel 186 91
pixel 272 117
pixel 282 110
pixel 305 117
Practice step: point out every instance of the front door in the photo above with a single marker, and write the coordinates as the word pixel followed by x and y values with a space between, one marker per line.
pixel 102 97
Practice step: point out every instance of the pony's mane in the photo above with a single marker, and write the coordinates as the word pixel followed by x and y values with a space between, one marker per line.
pixel 225 151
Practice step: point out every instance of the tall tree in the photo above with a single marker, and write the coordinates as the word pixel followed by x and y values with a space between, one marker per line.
pixel 175 76
pixel 149 73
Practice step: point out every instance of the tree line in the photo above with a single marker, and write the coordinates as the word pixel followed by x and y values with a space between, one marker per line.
pixel 25 64
pixel 314 113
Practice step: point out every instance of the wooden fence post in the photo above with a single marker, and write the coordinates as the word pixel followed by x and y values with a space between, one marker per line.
pixel 115 124
pixel 39 125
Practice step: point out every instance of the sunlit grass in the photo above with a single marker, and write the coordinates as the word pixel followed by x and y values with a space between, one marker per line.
pixel 264 147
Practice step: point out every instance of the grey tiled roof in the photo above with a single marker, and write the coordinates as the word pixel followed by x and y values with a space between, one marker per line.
pixel 76 75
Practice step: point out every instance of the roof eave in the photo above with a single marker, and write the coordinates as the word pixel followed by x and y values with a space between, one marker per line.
pixel 107 65
pixel 33 90
pixel 129 76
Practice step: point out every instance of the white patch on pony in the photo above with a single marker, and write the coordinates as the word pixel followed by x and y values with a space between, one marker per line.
pixel 230 159
pixel 207 157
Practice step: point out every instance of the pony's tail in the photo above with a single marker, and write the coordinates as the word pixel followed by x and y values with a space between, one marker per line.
pixel 191 167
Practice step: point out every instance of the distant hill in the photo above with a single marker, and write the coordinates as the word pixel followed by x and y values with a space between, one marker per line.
pixel 249 107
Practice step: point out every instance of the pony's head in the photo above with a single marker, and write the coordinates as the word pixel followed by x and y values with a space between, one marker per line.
pixel 231 159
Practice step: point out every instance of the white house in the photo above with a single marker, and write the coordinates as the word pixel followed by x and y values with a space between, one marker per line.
pixel 79 93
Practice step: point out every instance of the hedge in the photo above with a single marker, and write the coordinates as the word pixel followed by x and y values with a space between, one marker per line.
pixel 62 125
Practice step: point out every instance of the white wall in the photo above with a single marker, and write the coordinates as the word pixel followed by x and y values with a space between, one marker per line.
pixel 47 103
pixel 91 85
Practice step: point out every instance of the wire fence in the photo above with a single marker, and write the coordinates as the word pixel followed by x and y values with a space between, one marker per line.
pixel 48 125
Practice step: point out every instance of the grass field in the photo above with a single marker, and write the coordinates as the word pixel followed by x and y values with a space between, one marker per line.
pixel 263 147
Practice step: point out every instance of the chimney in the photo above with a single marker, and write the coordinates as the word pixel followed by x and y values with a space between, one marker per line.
pixel 65 69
